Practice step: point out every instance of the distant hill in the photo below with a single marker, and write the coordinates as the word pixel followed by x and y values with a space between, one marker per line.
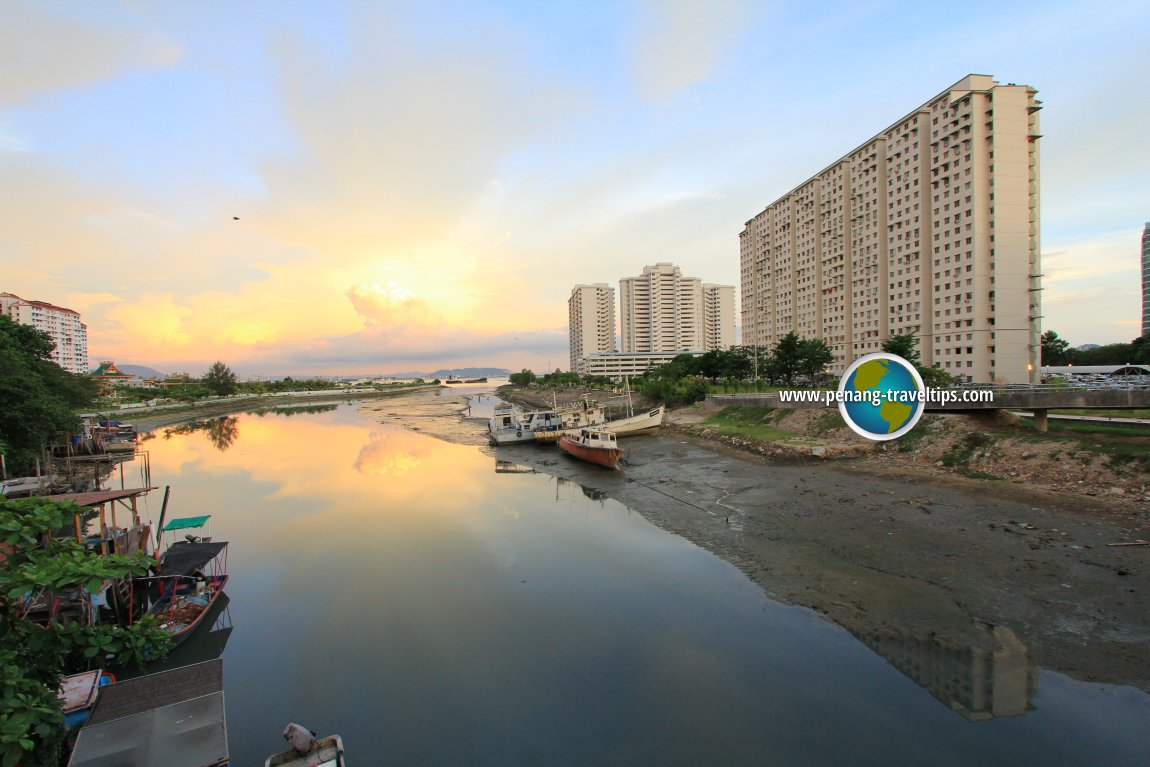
pixel 457 372
pixel 141 371
pixel 1086 347
pixel 469 373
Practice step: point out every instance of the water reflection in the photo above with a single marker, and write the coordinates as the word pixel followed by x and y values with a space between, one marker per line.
pixel 991 678
pixel 395 589
pixel 207 642
pixel 222 431
pixel 510 467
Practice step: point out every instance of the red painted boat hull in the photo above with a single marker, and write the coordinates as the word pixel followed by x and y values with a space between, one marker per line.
pixel 607 457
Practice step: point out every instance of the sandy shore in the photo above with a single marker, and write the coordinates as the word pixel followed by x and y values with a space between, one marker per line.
pixel 968 568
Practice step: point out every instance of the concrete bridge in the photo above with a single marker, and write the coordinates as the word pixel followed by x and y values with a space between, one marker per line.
pixel 1037 399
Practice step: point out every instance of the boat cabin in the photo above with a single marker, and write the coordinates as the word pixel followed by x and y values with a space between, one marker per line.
pixel 597 438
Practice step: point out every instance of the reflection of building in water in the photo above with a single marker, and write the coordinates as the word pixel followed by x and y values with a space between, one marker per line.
pixel 510 467
pixel 977 682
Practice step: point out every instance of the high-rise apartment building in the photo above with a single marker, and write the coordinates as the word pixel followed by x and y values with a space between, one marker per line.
pixel 663 311
pixel 591 322
pixel 718 316
pixel 930 227
pixel 63 325
pixel 1146 279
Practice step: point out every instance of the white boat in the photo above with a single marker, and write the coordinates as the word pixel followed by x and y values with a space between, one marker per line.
pixel 642 423
pixel 510 425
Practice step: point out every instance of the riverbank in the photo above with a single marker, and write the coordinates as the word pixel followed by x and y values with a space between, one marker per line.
pixel 146 420
pixel 898 556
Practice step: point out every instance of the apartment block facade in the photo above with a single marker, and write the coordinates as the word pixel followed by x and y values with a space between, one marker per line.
pixel 663 311
pixel 591 323
pixel 63 325
pixel 930 227
pixel 1146 279
pixel 718 316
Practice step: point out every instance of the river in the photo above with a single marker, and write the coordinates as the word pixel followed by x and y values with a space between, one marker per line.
pixel 435 608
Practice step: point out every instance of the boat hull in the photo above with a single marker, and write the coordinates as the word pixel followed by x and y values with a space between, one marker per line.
pixel 607 457
pixel 643 423
pixel 181 630
pixel 327 750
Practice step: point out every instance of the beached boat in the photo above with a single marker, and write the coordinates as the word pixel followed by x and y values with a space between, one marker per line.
pixel 510 425
pixel 183 591
pixel 593 445
pixel 632 425
pixel 325 752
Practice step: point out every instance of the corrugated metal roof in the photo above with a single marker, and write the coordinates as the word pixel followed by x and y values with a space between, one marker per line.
pixel 96 497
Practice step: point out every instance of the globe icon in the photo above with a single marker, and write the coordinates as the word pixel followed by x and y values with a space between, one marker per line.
pixel 881 396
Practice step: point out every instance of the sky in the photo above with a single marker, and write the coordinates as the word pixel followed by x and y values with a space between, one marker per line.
pixel 352 188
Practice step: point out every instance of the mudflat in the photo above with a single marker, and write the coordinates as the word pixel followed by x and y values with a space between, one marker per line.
pixel 969 567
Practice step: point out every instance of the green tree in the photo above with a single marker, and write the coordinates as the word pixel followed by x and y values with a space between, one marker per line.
pixel 814 356
pixel 1055 350
pixel 935 378
pixel 33 656
pixel 37 396
pixel 905 346
pixel 523 378
pixel 220 380
pixel 787 357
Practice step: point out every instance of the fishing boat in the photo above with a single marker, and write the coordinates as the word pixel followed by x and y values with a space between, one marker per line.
pixel 635 424
pixel 593 445
pixel 324 752
pixel 510 425
pixel 183 591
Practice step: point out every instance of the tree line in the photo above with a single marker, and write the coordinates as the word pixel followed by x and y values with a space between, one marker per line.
pixel 792 361
pixel 1058 352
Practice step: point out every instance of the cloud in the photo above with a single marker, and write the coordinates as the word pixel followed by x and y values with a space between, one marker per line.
pixel 680 43
pixel 44 52
pixel 388 305
pixel 1092 285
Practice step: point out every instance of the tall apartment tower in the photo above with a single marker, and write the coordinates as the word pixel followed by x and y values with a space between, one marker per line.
pixel 932 226
pixel 1146 279
pixel 718 316
pixel 591 318
pixel 63 325
pixel 652 307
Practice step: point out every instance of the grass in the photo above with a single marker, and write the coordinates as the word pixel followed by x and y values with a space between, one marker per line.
pixel 1103 413
pixel 1122 445
pixel 909 442
pixel 961 453
pixel 751 423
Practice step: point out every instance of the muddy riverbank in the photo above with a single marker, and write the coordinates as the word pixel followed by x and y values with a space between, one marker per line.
pixel 959 569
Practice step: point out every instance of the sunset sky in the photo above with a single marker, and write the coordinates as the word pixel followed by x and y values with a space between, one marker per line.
pixel 419 185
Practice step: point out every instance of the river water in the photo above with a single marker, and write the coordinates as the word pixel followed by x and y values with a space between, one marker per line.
pixel 436 608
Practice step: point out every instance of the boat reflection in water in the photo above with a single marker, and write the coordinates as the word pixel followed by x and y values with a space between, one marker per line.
pixel 206 643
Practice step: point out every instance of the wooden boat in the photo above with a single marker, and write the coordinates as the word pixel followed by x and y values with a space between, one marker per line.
pixel 632 425
pixel 325 752
pixel 183 592
pixel 627 426
pixel 593 445
pixel 78 694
